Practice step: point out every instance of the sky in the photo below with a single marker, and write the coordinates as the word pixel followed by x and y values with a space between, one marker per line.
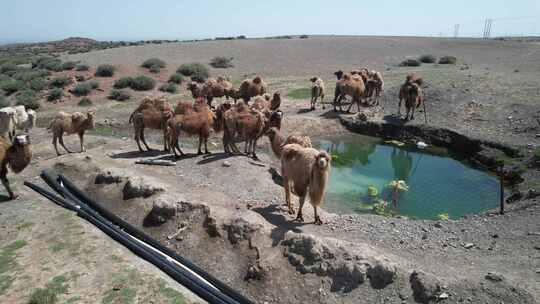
pixel 44 20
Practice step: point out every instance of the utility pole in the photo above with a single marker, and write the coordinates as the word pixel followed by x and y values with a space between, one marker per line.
pixel 456 31
pixel 487 28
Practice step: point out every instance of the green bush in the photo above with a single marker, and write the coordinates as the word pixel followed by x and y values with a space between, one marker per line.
pixel 55 94
pixel 221 62
pixel 448 60
pixel 155 69
pixel 168 87
pixel 123 83
pixel 82 89
pixel 28 75
pixel 60 82
pixel 85 102
pixel 149 63
pixel 4 102
pixel 11 86
pixel 142 83
pixel 427 59
pixel 410 62
pixel 68 65
pixel 194 70
pixel 176 78
pixel 93 84
pixel 48 63
pixel 304 36
pixel 37 84
pixel 82 67
pixel 7 67
pixel 28 99
pixel 105 70
pixel 119 95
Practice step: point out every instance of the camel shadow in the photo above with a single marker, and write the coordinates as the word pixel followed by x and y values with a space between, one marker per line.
pixel 276 177
pixel 172 157
pixel 305 110
pixel 272 214
pixel 394 119
pixel 209 158
pixel 4 198
pixel 331 114
pixel 138 154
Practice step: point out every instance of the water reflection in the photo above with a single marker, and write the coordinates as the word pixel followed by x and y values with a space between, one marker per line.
pixel 401 163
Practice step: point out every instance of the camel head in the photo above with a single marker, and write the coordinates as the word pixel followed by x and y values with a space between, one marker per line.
pixel 90 122
pixel 275 119
pixel 257 79
pixel 277 95
pixel 323 160
pixel 21 140
pixel 313 79
pixel 339 74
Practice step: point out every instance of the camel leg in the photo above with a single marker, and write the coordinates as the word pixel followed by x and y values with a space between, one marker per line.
pixel 199 152
pixel 287 187
pixel 322 101
pixel 137 139
pixel 165 141
pixel 177 147
pixel 358 106
pixel 81 139
pixel 5 181
pixel 317 218
pixel 61 139
pixel 399 107
pixel 253 147
pixel 206 146
pixel 144 140
pixel 299 216
pixel 55 144
pixel 412 113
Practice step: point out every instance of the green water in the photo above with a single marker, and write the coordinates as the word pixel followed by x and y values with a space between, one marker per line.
pixel 438 184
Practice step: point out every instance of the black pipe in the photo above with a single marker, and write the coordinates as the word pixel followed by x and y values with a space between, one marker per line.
pixel 180 275
pixel 149 240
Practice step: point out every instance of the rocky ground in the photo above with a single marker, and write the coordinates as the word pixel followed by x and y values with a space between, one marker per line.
pixel 227 214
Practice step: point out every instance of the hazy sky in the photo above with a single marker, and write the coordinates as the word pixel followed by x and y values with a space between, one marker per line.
pixel 39 20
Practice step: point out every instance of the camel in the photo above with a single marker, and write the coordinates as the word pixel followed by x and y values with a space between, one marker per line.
pixel 251 88
pixel 16 156
pixel 317 91
pixel 66 123
pixel 351 85
pixel 152 113
pixel 414 97
pixel 306 170
pixel 412 78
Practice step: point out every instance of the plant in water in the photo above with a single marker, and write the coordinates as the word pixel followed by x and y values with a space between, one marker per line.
pixel 396 186
pixel 382 207
pixel 443 217
pixel 372 191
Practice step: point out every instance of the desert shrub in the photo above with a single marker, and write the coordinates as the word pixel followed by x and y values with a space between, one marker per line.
pixel 304 36
pixel 105 70
pixel 149 63
pixel 176 78
pixel 168 87
pixel 48 63
pixel 85 102
pixel 448 60
pixel 79 78
pixel 241 37
pixel 11 86
pixel 82 89
pixel 82 67
pixel 28 75
pixel 410 62
pixel 197 70
pixel 60 82
pixel 7 67
pixel 427 59
pixel 155 69
pixel 28 99
pixel 142 83
pixel 221 62
pixel 119 95
pixel 93 84
pixel 4 102
pixel 55 94
pixel 123 83
pixel 37 84
pixel 68 65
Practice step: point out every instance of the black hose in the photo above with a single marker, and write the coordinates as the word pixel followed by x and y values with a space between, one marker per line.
pixel 180 275
pixel 149 240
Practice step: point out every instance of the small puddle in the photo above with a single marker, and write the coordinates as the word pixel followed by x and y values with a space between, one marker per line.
pixel 439 186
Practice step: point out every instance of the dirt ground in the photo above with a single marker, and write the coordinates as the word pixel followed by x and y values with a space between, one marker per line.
pixel 228 213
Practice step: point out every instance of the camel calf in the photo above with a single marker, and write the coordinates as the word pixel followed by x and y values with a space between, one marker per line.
pixel 66 123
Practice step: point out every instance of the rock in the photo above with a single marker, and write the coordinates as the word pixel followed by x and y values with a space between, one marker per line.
pixel 494 277
pixel 443 296
pixel 468 245
pixel 240 229
pixel 437 225
pixel 162 211
pixel 226 164
pixel 425 287
pixel 138 187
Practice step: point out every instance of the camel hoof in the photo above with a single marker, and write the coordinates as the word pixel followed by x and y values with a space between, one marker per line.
pixel 208 152
pixel 291 211
pixel 299 219
pixel 199 153
pixel 318 221
pixel 14 197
